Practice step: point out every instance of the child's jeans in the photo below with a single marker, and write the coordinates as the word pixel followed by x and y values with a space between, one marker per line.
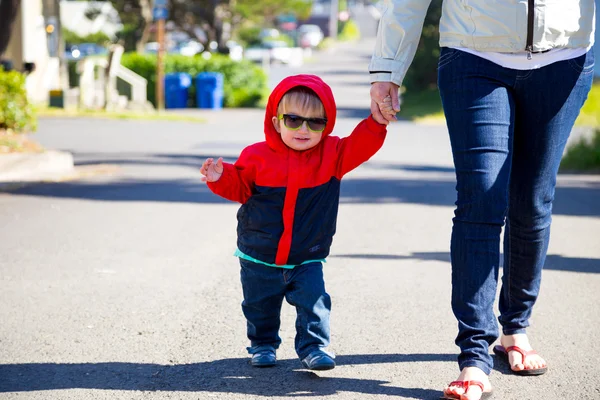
pixel 303 287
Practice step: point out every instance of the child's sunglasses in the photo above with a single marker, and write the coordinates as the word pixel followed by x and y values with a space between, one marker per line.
pixel 294 122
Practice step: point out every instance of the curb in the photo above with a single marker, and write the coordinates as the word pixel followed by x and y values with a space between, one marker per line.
pixel 28 167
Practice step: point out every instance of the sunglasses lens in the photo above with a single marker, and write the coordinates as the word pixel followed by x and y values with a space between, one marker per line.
pixel 293 121
pixel 317 124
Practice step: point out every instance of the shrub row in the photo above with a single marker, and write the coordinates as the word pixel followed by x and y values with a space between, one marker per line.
pixel 16 114
pixel 244 84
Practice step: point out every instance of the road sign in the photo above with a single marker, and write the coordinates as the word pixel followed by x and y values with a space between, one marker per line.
pixel 160 3
pixel 160 13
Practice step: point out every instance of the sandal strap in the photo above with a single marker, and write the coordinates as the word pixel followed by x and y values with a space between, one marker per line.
pixel 524 354
pixel 465 384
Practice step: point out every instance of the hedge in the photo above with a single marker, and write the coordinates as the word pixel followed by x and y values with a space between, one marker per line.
pixel 16 114
pixel 244 83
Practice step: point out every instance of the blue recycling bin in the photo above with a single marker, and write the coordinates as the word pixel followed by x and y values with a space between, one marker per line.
pixel 177 89
pixel 209 90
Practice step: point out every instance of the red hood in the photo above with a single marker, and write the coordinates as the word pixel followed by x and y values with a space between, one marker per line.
pixel 310 81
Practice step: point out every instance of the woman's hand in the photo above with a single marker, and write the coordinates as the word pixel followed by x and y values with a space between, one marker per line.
pixel 384 102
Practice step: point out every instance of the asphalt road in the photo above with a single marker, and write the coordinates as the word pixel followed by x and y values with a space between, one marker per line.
pixel 123 285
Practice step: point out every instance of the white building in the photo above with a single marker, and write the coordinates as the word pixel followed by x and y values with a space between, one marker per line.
pixel 88 17
pixel 29 44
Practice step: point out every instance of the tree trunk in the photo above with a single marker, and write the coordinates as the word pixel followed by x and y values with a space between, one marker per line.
pixel 8 12
pixel 147 16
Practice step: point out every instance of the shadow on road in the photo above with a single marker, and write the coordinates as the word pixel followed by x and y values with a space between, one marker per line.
pixel 553 261
pixel 348 112
pixel 578 198
pixel 575 201
pixel 225 376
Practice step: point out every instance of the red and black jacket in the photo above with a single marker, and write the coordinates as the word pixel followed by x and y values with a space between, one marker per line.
pixel 290 198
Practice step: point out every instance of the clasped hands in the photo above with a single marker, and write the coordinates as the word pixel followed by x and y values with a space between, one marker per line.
pixel 384 102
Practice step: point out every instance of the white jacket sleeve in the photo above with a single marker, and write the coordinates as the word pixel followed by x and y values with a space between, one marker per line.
pixel 397 39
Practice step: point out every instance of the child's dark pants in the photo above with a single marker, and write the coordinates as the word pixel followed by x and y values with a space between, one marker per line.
pixel 303 287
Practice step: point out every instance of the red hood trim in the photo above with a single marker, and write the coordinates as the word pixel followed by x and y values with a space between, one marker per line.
pixel 310 81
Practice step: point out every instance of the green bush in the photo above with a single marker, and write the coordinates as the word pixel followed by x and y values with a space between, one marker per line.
pixel 73 38
pixel 73 74
pixel 249 36
pixel 128 37
pixel 244 84
pixel 281 38
pixel 16 114
pixel 349 31
pixel 422 73
pixel 326 43
pixel 584 155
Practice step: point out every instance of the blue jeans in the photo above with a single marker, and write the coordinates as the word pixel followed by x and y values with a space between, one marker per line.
pixel 508 129
pixel 303 287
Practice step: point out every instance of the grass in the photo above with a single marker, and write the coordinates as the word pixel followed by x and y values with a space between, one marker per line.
pixel 584 155
pixel 125 115
pixel 426 105
pixel 422 106
pixel 590 112
pixel 17 143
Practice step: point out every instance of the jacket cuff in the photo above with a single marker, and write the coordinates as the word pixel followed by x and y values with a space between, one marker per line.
pixel 380 77
pixel 374 126
pixel 214 186
pixel 386 70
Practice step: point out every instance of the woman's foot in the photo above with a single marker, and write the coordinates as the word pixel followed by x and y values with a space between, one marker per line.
pixel 469 391
pixel 515 359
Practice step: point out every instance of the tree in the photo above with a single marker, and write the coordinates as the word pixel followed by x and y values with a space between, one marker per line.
pixel 8 13
pixel 137 29
pixel 266 11
pixel 210 15
pixel 423 71
pixel 213 15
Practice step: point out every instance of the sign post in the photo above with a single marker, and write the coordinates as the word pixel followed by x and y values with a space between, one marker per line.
pixel 160 13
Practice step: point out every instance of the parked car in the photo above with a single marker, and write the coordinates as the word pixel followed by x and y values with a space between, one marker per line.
pixel 83 50
pixel 188 48
pixel 273 50
pixel 151 47
pixel 236 51
pixel 309 35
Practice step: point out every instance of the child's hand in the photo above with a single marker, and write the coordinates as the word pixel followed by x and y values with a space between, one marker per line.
pixel 386 108
pixel 212 171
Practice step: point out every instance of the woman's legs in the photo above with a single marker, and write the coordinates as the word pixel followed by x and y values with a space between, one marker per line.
pixel 548 101
pixel 545 103
pixel 477 99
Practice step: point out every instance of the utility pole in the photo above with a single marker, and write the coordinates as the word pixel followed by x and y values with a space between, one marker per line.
pixel 160 67
pixel 160 13
pixel 333 19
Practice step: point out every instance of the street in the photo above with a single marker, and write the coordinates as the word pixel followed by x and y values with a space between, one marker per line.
pixel 123 285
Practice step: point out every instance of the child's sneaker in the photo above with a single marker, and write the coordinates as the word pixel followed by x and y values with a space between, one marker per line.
pixel 318 360
pixel 263 359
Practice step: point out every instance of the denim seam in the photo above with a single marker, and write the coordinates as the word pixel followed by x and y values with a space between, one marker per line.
pixel 520 77
pixel 580 70
pixel 449 59
pixel 444 57
pixel 508 264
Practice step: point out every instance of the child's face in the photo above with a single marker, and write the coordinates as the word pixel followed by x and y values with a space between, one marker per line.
pixel 296 136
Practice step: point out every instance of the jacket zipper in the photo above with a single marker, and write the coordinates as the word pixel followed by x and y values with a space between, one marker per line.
pixel 529 44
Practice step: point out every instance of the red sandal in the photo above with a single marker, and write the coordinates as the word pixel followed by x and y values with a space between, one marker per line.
pixel 465 385
pixel 502 352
